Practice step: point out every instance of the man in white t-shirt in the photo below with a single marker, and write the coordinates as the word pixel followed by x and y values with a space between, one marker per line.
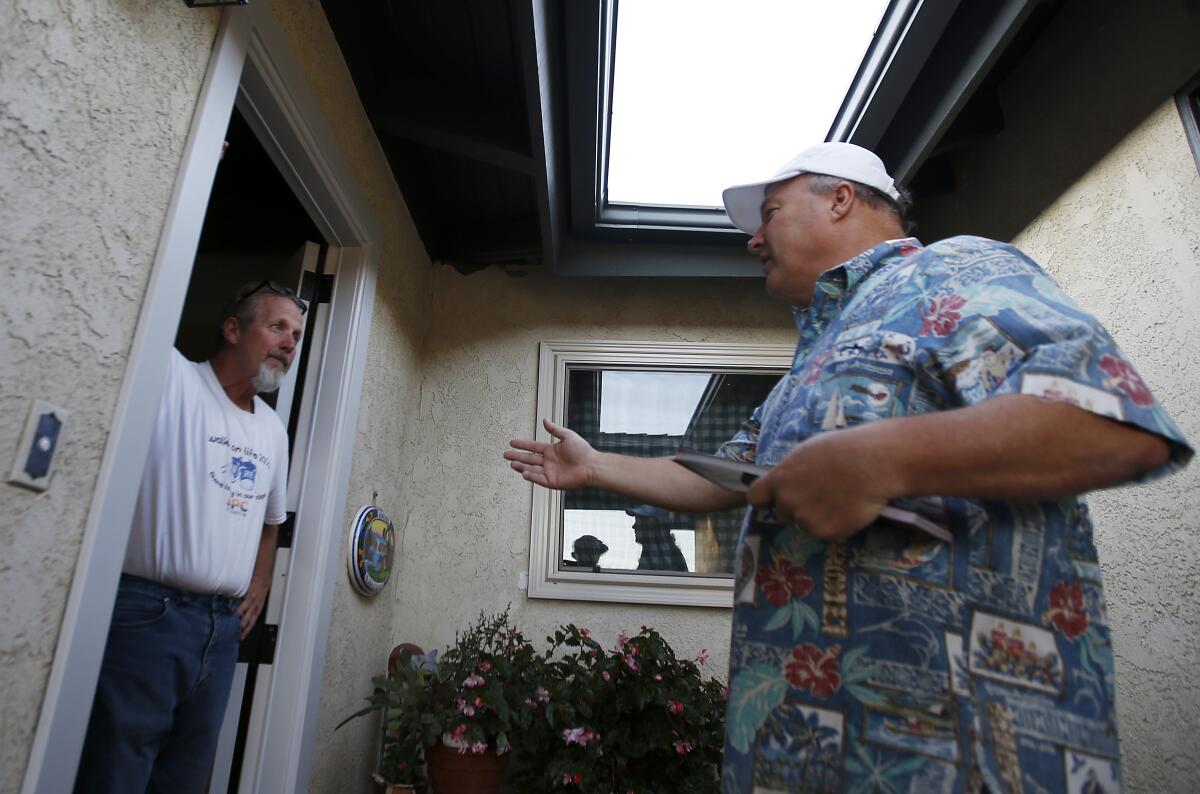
pixel 198 563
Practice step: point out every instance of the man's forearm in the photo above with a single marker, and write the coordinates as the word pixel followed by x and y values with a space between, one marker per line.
pixel 1014 447
pixel 661 482
pixel 264 562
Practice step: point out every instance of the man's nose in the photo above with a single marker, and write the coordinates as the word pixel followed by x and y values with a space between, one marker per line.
pixel 755 242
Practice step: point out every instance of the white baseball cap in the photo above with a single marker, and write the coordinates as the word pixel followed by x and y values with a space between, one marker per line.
pixel 843 160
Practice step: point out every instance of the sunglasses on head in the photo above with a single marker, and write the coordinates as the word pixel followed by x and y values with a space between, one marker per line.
pixel 278 289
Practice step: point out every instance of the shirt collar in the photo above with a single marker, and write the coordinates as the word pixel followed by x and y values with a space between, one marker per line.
pixel 840 281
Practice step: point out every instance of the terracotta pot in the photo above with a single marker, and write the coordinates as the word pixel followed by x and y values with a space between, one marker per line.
pixel 400 788
pixel 452 772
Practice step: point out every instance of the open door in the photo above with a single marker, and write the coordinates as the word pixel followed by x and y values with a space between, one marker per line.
pixel 236 765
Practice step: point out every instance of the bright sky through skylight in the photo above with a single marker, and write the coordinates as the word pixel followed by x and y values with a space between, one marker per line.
pixel 711 93
pixel 649 402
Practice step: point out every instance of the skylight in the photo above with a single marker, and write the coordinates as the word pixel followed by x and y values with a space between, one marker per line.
pixel 625 408
pixel 709 93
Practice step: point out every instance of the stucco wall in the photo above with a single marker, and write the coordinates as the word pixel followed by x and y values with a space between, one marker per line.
pixel 90 142
pixel 1124 241
pixel 464 520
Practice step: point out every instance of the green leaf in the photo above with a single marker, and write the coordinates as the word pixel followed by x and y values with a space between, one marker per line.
pixel 862 693
pixel 753 694
pixel 780 619
pixel 850 658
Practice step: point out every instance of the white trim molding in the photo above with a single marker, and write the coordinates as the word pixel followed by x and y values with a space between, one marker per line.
pixel 546 579
pixel 54 756
pixel 252 65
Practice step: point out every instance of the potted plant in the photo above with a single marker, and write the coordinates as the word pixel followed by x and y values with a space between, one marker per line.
pixel 457 721
pixel 403 697
pixel 634 717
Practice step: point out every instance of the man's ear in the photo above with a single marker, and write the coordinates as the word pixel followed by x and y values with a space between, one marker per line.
pixel 231 331
pixel 842 200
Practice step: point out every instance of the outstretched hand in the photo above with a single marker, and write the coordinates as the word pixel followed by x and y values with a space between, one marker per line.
pixel 563 464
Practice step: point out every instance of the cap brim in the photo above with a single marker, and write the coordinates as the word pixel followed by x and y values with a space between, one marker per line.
pixel 743 203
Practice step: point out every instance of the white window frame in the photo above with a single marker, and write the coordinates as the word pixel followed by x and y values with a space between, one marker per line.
pixel 545 538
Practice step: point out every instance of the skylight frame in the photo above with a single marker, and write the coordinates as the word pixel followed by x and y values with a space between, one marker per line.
pixel 627 216
pixel 904 38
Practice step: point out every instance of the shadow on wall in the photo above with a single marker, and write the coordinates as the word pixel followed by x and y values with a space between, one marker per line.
pixel 1098 69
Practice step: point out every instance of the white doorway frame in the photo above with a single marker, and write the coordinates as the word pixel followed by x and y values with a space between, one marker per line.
pixel 252 65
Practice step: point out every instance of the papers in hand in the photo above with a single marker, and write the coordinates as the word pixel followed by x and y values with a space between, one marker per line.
pixel 737 476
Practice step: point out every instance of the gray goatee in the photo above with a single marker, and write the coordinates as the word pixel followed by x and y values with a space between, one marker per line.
pixel 268 378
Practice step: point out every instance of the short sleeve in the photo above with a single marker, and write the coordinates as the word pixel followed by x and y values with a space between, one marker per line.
pixel 743 446
pixel 994 323
pixel 277 498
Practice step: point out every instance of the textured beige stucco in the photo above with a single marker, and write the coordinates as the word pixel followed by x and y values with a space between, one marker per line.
pixel 462 517
pixel 96 98
pixel 1124 241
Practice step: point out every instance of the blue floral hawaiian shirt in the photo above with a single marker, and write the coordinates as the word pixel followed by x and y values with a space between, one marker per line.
pixel 892 661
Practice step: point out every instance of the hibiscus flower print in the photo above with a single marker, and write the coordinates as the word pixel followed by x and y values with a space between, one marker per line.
pixel 943 315
pixel 781 580
pixel 1125 377
pixel 813 669
pixel 1066 610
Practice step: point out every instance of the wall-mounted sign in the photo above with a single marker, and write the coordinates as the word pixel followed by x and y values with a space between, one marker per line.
pixel 372 547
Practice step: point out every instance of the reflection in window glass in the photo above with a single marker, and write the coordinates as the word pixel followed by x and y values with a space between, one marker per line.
pixel 674 410
pixel 608 538
pixel 649 402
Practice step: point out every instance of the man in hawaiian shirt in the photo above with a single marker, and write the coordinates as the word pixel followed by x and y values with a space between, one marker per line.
pixel 955 380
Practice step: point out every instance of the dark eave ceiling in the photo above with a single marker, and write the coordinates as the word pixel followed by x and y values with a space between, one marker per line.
pixel 488 112
pixel 442 86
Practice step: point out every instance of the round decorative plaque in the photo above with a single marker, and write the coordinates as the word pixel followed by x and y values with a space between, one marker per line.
pixel 372 547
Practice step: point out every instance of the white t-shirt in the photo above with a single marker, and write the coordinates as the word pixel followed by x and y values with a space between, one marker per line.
pixel 214 475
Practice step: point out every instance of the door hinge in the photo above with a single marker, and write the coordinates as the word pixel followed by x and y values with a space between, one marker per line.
pixel 266 644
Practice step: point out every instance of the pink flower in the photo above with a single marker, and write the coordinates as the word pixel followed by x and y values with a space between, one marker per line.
pixel 781 580
pixel 464 707
pixel 943 315
pixel 631 664
pixel 458 733
pixel 682 747
pixel 584 633
pixel 474 680
pixel 622 638
pixel 674 706
pixel 658 676
pixel 816 669
pixel 485 666
pixel 569 779
pixel 604 674
pixel 1066 610
pixel 1125 378
pixel 579 736
pixel 703 657
pixel 542 695
pixel 478 748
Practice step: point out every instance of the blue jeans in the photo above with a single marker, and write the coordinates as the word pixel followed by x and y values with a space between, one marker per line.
pixel 164 682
